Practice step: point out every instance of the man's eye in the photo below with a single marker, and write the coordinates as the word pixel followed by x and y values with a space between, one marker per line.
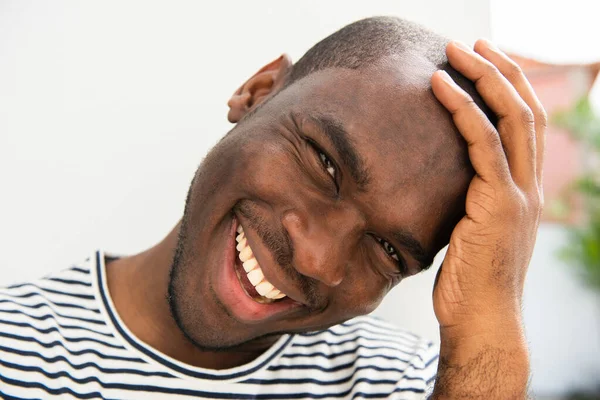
pixel 389 249
pixel 327 163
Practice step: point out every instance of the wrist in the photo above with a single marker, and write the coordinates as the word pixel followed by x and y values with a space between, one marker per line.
pixel 462 342
pixel 461 348
pixel 490 360
pixel 495 328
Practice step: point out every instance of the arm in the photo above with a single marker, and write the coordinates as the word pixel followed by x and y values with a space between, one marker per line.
pixel 478 291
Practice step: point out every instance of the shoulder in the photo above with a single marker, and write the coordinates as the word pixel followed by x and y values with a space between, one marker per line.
pixel 369 338
pixel 73 282
pixel 367 333
pixel 64 296
pixel 368 354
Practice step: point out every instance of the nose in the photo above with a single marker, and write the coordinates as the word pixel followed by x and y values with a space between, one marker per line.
pixel 323 240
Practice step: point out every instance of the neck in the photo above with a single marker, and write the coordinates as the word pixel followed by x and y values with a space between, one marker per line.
pixel 138 286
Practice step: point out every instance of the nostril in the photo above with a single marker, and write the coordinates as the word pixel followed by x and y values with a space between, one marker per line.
pixel 317 248
pixel 315 261
pixel 333 275
pixel 332 282
pixel 337 281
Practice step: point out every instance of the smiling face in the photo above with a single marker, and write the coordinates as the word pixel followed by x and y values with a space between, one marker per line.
pixel 343 183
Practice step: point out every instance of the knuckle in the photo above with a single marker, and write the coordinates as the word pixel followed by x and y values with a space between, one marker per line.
pixel 468 102
pixel 526 116
pixel 513 71
pixel 534 202
pixel 530 141
pixel 542 118
pixel 534 198
pixel 536 209
pixel 490 69
pixel 491 133
pixel 501 172
pixel 539 199
pixel 540 206
pixel 512 207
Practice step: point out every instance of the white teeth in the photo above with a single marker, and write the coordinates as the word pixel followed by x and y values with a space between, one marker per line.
pixel 250 264
pixel 246 253
pixel 255 276
pixel 254 272
pixel 241 244
pixel 272 294
pixel 264 287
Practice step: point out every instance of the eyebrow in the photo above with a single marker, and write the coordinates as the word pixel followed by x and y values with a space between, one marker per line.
pixel 414 248
pixel 340 139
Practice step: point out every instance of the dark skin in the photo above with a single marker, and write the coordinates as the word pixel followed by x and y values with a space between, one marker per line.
pixel 348 273
pixel 322 229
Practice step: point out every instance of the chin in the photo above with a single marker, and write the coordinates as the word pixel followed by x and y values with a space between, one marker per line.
pixel 211 297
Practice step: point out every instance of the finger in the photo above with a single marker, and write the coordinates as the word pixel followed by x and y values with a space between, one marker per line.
pixel 513 73
pixel 515 119
pixel 485 148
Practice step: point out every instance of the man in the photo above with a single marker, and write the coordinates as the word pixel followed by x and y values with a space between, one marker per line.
pixel 345 173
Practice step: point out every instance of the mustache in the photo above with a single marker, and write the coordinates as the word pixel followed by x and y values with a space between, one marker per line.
pixel 277 241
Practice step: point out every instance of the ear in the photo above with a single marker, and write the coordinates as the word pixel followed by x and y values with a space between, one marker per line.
pixel 256 89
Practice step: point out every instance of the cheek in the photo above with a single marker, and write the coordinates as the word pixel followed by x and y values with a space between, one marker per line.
pixel 269 170
pixel 245 165
pixel 362 293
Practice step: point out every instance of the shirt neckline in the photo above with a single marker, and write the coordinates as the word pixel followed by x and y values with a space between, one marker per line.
pixel 154 356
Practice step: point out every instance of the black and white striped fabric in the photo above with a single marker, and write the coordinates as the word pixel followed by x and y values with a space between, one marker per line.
pixel 60 337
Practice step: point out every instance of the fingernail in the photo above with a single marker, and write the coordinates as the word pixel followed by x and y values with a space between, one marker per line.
pixel 461 45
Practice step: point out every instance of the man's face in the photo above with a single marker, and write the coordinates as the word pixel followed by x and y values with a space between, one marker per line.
pixel 345 183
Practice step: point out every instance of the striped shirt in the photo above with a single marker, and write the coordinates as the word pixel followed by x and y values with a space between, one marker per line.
pixel 61 337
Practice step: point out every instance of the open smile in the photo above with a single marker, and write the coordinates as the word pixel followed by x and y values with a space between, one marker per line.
pixel 243 288
pixel 251 275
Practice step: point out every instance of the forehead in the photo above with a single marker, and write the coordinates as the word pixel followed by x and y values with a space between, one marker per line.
pixel 386 108
pixel 407 140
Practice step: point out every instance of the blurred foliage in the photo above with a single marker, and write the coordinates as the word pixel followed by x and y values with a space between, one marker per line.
pixel 583 249
pixel 584 396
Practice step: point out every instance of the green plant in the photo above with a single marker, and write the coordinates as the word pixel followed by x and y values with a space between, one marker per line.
pixel 583 249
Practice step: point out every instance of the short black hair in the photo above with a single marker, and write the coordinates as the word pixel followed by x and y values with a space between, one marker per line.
pixel 368 40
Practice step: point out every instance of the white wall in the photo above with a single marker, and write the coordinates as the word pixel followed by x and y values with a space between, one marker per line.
pixel 557 31
pixel 562 317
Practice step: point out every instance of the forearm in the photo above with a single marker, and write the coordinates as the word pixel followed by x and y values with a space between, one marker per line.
pixel 493 364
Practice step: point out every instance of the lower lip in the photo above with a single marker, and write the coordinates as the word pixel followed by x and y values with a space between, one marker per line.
pixel 233 296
